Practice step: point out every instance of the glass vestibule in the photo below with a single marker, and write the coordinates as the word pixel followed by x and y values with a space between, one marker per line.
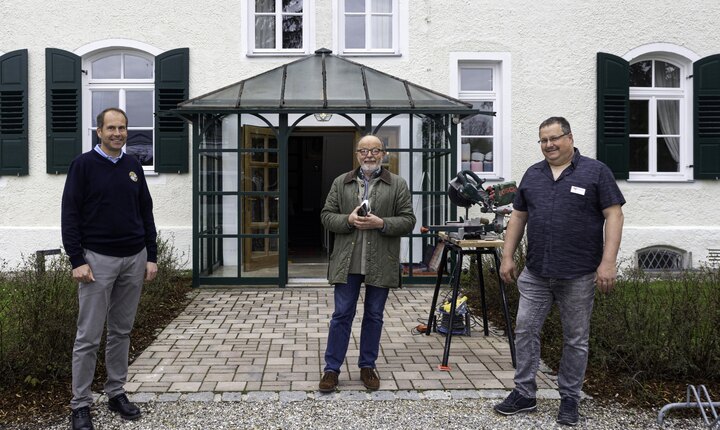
pixel 238 202
pixel 240 199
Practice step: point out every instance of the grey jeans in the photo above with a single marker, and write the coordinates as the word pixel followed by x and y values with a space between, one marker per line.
pixel 574 298
pixel 112 298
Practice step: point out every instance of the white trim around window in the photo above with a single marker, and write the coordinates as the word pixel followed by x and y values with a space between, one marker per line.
pixel 123 88
pixel 308 30
pixel 682 58
pixel 106 44
pixel 395 43
pixel 499 94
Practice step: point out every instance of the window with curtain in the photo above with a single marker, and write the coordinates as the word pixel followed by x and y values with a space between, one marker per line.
pixel 278 26
pixel 124 79
pixel 656 123
pixel 479 83
pixel 369 26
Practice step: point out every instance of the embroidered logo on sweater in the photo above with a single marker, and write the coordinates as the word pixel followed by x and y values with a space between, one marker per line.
pixel 133 176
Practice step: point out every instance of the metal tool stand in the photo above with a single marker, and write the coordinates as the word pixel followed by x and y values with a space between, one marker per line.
pixel 459 249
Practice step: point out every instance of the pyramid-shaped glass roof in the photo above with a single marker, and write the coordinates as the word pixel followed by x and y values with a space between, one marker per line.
pixel 325 83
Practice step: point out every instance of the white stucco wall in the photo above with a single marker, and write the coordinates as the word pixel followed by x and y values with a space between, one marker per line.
pixel 552 45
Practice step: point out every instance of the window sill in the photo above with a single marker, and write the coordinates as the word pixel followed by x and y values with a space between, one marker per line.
pixel 661 179
pixel 276 54
pixel 370 54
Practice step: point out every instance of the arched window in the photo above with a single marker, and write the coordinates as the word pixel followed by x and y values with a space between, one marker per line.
pixel 657 114
pixel 660 137
pixel 662 258
pixel 144 81
pixel 124 79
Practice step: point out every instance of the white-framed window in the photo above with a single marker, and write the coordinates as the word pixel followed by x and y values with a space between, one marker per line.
pixel 369 27
pixel 124 79
pixel 660 126
pixel 279 26
pixel 483 79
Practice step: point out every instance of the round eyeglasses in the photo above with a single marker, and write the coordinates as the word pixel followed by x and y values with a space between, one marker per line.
pixel 364 152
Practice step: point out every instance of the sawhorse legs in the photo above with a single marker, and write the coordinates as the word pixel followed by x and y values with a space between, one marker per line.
pixel 459 253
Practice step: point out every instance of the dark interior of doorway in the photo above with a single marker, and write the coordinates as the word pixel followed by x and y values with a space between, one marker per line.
pixel 314 160
pixel 305 234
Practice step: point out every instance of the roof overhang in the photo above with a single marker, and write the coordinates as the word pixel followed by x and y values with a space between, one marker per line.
pixel 325 83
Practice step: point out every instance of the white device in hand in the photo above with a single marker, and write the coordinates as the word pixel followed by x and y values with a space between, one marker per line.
pixel 364 208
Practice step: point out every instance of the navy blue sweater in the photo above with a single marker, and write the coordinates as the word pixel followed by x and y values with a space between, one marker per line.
pixel 107 208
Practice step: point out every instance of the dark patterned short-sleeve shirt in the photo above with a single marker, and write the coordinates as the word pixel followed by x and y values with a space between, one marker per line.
pixel 565 220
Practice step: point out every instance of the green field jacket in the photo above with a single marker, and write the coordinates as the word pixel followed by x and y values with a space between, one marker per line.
pixel 390 200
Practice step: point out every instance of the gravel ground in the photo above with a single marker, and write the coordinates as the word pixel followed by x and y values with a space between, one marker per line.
pixel 360 411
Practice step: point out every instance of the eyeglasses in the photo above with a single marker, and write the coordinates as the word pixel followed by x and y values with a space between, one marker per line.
pixel 364 152
pixel 553 139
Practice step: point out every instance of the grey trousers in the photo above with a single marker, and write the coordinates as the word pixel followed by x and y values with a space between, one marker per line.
pixel 112 298
pixel 574 298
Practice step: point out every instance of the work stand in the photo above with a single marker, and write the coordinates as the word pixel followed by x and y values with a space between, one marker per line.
pixel 459 249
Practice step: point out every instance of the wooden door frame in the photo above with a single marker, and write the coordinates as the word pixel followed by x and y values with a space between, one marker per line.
pixel 271 258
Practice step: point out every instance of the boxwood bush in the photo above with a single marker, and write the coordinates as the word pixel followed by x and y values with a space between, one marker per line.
pixel 653 328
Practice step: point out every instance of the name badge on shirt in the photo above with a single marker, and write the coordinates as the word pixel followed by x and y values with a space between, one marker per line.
pixel 577 190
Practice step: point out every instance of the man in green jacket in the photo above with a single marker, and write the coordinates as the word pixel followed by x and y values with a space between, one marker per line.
pixel 366 249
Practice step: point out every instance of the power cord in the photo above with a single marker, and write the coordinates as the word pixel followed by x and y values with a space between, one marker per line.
pixel 419 329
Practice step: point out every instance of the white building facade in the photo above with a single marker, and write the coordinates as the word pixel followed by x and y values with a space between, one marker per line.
pixel 639 83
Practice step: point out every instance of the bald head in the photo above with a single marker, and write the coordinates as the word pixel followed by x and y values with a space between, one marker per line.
pixel 369 161
pixel 370 141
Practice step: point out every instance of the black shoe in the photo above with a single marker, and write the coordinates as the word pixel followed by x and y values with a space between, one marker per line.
pixel 81 419
pixel 568 414
pixel 124 407
pixel 514 403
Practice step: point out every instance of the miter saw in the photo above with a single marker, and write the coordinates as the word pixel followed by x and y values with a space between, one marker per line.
pixel 466 190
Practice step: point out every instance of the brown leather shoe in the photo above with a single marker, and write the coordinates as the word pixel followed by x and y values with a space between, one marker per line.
pixel 370 378
pixel 328 382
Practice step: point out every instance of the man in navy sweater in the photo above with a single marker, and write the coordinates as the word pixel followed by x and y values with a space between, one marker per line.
pixel 108 232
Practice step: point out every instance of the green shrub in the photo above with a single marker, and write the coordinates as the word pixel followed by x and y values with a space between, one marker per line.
pixel 665 328
pixel 38 314
pixel 648 331
pixel 37 321
pixel 170 284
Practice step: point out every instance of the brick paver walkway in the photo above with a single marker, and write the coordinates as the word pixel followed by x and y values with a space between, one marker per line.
pixel 271 339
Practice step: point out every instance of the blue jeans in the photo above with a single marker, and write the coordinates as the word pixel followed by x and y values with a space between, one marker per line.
pixel 574 298
pixel 346 298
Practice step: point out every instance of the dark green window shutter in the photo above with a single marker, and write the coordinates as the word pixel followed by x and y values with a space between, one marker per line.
pixel 14 113
pixel 613 104
pixel 63 81
pixel 706 113
pixel 171 132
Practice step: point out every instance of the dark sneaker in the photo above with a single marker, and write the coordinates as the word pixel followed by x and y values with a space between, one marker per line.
pixel 370 378
pixel 124 407
pixel 568 414
pixel 328 382
pixel 514 403
pixel 81 420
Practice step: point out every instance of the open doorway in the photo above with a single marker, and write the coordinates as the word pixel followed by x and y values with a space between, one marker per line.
pixel 315 159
